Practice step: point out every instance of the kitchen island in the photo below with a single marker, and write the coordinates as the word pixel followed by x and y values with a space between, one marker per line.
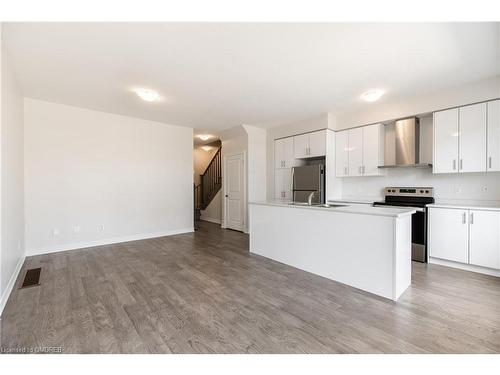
pixel 366 247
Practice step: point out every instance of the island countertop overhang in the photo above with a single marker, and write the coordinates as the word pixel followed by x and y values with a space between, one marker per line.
pixel 355 209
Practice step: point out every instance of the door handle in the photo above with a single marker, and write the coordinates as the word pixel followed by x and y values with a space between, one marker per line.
pixel 227 196
pixel 489 162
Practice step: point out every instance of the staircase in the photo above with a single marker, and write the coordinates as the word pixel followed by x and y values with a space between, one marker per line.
pixel 210 184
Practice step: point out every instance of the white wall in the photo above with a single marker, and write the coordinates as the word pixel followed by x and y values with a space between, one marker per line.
pixel 213 212
pixel 12 203
pixel 257 159
pixel 86 169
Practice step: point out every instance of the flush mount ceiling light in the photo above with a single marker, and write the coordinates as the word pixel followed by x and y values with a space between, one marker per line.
pixel 372 95
pixel 147 95
pixel 206 148
pixel 204 137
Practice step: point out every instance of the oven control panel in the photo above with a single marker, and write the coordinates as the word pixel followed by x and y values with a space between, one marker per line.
pixel 409 191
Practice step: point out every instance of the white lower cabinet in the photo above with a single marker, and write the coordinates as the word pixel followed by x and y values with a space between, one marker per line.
pixel 282 184
pixel 465 236
pixel 485 238
pixel 448 234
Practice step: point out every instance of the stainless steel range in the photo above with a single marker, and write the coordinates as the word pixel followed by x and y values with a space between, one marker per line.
pixel 417 198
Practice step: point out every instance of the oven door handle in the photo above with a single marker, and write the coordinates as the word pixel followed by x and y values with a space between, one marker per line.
pixel 418 209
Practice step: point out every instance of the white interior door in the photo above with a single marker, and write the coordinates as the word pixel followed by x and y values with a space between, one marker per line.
pixel 235 191
pixel 472 138
pixel 485 238
pixel 493 136
pixel 445 141
pixel 355 151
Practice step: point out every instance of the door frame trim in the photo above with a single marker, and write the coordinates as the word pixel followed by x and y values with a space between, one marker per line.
pixel 245 203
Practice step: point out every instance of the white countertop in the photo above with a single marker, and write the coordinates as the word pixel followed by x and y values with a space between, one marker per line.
pixel 356 209
pixel 468 205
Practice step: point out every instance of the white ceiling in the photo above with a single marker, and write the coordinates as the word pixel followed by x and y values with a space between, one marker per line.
pixel 214 76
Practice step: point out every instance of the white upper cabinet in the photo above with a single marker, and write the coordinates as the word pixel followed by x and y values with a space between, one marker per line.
pixel 310 145
pixel 485 238
pixel 301 146
pixel 342 153
pixel 461 138
pixel 493 135
pixel 360 151
pixel 445 155
pixel 472 138
pixel 355 152
pixel 373 146
pixel 317 143
pixel 283 153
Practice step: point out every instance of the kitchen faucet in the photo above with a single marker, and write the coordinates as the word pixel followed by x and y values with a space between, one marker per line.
pixel 309 198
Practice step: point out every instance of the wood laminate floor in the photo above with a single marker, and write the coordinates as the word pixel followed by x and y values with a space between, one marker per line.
pixel 205 293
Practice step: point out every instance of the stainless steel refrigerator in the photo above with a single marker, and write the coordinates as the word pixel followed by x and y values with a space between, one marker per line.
pixel 306 180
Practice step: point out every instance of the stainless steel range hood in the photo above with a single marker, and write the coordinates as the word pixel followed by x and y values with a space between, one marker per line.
pixel 407 145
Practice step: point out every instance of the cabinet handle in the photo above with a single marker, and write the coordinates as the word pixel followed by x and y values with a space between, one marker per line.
pixel 472 217
pixel 489 162
pixel 345 170
pixel 364 169
pixel 464 218
pixel 461 165
pixel 454 164
pixel 359 169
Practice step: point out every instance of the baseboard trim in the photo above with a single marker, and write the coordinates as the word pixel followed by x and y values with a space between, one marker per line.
pixel 106 241
pixel 11 283
pixel 210 219
pixel 465 267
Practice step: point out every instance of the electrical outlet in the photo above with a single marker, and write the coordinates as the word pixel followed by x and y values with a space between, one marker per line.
pixel 55 232
pixel 101 228
pixel 76 228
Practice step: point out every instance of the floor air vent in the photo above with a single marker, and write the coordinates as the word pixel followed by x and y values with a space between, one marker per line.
pixel 32 278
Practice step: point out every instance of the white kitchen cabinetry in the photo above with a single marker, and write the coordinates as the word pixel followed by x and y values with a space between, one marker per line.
pixel 342 154
pixel 282 183
pixel 460 139
pixel 485 238
pixel 309 145
pixel 360 151
pixel 467 236
pixel 493 136
pixel 445 155
pixel 355 152
pixel 448 234
pixel 373 149
pixel 283 153
pixel 472 138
